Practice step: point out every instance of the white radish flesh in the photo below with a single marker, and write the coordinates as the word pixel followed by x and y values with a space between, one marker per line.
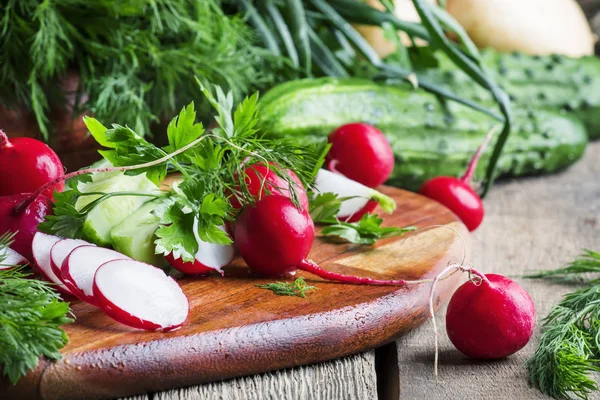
pixel 9 258
pixel 60 251
pixel 80 266
pixel 364 199
pixel 41 246
pixel 213 255
pixel 140 295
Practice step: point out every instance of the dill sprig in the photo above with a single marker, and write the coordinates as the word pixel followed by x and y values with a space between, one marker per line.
pixel 569 348
pixel 30 317
pixel 586 263
pixel 298 288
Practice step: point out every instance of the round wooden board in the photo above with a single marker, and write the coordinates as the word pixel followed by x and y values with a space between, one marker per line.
pixel 236 328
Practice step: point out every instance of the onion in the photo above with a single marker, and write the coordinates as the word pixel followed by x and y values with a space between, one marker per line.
pixel 537 27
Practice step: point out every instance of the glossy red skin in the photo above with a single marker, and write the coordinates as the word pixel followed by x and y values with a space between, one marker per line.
pixel 273 236
pixel 257 173
pixel 370 206
pixel 457 196
pixel 490 321
pixel 125 318
pixel 190 268
pixel 26 165
pixel 24 223
pixel 362 153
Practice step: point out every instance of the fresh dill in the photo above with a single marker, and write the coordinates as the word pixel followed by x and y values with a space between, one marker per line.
pixel 31 314
pixel 298 288
pixel 569 348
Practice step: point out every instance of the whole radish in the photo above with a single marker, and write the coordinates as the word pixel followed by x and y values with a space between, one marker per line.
pixel 492 319
pixel 261 180
pixel 26 164
pixel 274 238
pixel 362 153
pixel 457 194
pixel 20 215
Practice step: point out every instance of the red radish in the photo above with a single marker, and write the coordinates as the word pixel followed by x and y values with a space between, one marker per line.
pixel 274 238
pixel 262 180
pixel 140 295
pixel 22 217
pixel 59 252
pixel 80 266
pixel 491 320
pixel 457 194
pixel 9 258
pixel 209 257
pixel 362 153
pixel 26 164
pixel 363 199
pixel 42 244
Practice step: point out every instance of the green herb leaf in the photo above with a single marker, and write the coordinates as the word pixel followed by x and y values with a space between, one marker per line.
pixel 586 263
pixel 66 221
pixel 183 129
pixel 366 231
pixel 297 288
pixel 176 232
pixel 324 207
pixel 30 318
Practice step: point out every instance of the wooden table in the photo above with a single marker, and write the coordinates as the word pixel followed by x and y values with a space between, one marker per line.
pixel 532 223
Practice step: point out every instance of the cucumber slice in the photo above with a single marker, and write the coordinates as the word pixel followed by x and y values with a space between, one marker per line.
pixel 109 213
pixel 134 236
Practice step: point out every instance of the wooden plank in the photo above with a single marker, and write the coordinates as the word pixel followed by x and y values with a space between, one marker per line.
pixel 351 378
pixel 534 223
pixel 237 329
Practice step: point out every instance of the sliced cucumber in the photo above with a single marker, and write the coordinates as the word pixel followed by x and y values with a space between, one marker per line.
pixel 109 213
pixel 134 236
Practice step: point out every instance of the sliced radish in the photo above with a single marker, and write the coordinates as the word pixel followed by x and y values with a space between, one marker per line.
pixel 9 258
pixel 59 252
pixel 140 295
pixel 80 266
pixel 41 246
pixel 363 199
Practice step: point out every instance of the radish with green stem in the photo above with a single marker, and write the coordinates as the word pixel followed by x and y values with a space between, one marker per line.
pixel 360 199
pixel 26 164
pixel 360 152
pixel 140 295
pixel 457 194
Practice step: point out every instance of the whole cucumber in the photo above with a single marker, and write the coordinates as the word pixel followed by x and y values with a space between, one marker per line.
pixel 555 82
pixel 427 139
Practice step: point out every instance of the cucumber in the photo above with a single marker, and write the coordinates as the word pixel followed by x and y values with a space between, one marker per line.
pixel 555 82
pixel 109 213
pixel 427 141
pixel 134 236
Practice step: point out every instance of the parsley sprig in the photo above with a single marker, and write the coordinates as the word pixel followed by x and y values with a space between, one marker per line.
pixel 325 206
pixel 211 164
pixel 31 314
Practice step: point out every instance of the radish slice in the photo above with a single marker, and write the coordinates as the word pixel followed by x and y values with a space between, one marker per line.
pixel 60 251
pixel 364 199
pixel 212 255
pixel 140 295
pixel 80 266
pixel 41 246
pixel 9 258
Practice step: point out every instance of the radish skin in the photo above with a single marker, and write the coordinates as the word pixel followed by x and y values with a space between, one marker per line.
pixel 41 246
pixel 140 296
pixel 80 266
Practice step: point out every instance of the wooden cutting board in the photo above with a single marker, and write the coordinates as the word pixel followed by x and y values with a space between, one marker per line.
pixel 236 328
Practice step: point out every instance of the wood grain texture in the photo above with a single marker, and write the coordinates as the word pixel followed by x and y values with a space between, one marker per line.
pixel 348 378
pixel 534 223
pixel 237 329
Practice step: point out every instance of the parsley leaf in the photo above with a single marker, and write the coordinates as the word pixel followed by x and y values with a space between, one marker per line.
pixel 365 231
pixel 324 207
pixel 297 288
pixel 183 129
pixel 176 231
